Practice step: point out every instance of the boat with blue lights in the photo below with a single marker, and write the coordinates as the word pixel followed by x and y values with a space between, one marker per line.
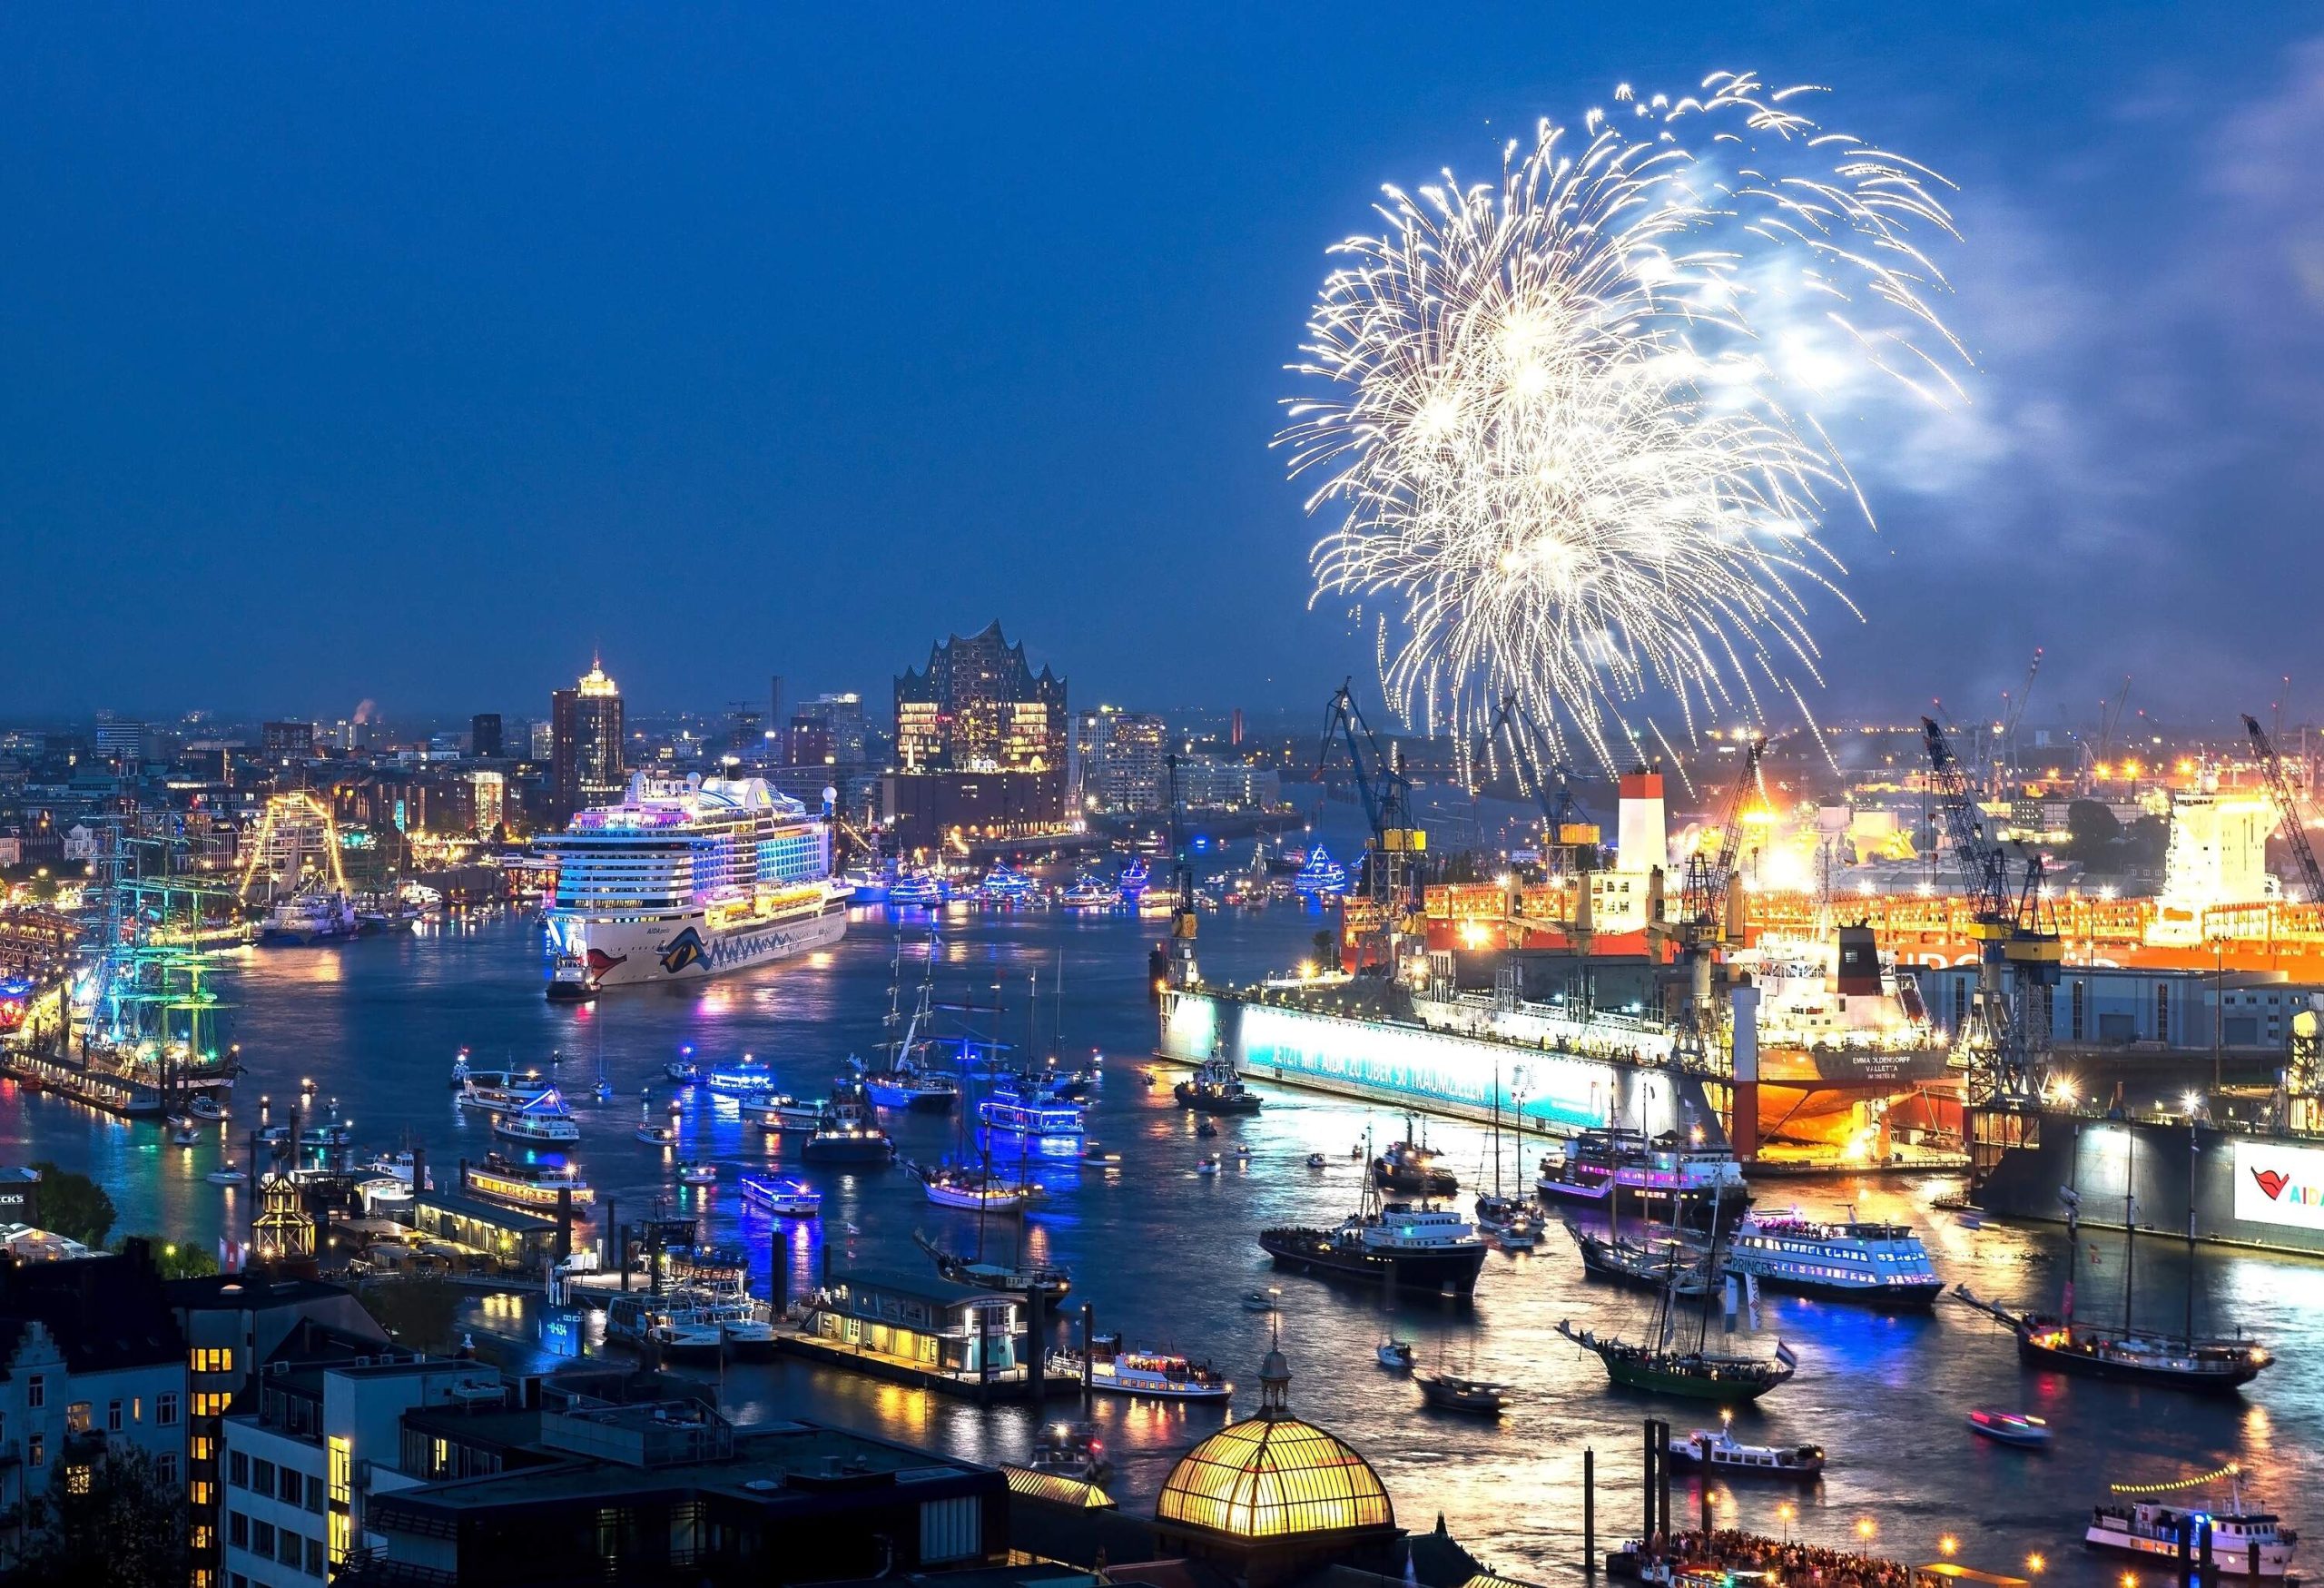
pixel 1320 876
pixel 747 1077
pixel 783 1199
pixel 917 891
pixel 1025 1112
pixel 1215 1088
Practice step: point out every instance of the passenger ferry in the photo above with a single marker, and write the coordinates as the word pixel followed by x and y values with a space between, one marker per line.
pixel 2243 1544
pixel 542 1122
pixel 1400 1245
pixel 745 1079
pixel 783 1199
pixel 526 1185
pixel 693 878
pixel 1881 1266
pixel 1147 1375
pixel 781 1111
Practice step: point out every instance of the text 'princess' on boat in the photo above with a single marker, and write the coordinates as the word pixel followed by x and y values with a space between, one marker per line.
pixel 1880 1266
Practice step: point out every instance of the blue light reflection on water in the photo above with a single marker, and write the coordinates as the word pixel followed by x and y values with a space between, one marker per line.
pixel 1164 1253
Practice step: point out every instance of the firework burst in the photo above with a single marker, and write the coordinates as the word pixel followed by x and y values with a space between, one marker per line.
pixel 1567 422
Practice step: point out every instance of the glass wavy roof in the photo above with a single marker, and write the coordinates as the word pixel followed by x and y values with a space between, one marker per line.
pixel 1273 1477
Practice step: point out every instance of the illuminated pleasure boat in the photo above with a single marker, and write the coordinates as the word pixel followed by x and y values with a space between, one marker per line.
pixel 2242 1544
pixel 1025 1115
pixel 541 1123
pixel 1146 1375
pixel 524 1185
pixel 1881 1266
pixel 1677 1183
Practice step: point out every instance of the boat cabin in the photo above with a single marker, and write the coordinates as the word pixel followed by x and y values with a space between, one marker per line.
pixel 930 1324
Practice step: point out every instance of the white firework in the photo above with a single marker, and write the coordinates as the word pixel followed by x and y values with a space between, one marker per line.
pixel 1567 422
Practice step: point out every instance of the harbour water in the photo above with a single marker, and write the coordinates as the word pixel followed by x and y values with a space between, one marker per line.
pixel 1164 1253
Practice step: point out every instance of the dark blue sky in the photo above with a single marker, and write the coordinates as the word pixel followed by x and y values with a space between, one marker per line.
pixel 407 353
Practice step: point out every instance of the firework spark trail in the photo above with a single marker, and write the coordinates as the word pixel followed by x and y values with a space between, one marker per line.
pixel 1567 422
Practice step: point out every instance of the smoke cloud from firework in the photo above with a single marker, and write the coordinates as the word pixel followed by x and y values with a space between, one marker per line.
pixel 1567 422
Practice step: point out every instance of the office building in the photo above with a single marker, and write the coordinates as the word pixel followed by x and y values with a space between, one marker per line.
pixel 484 735
pixel 284 743
pixel 586 764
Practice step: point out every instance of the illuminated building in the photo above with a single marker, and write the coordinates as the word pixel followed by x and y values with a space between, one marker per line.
pixel 1118 756
pixel 1272 1497
pixel 90 1360
pixel 490 792
pixel 979 705
pixel 587 762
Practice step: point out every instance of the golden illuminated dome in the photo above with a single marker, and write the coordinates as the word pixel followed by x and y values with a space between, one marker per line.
pixel 1274 1477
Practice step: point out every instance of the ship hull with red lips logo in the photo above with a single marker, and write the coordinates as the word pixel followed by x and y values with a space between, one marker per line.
pixel 688 948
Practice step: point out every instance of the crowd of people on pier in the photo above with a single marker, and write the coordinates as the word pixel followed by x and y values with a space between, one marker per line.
pixel 1791 1564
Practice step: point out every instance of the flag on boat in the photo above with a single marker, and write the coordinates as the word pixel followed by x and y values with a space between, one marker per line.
pixel 1785 1355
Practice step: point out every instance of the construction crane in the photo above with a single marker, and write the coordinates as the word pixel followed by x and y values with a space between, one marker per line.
pixel 1709 916
pixel 2019 952
pixel 1390 872
pixel 1182 972
pixel 2287 810
pixel 2012 713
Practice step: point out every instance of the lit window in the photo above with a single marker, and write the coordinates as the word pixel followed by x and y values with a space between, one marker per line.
pixel 76 1417
pixel 76 1479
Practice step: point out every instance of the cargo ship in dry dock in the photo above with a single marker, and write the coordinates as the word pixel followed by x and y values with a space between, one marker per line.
pixel 689 878
pixel 1837 1047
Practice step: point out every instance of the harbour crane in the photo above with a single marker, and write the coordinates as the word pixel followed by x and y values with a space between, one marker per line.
pixel 1710 913
pixel 1548 780
pixel 2019 952
pixel 2012 714
pixel 1181 969
pixel 1391 871
pixel 2287 805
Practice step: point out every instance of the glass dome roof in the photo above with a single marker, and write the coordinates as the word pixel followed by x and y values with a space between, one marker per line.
pixel 1273 1476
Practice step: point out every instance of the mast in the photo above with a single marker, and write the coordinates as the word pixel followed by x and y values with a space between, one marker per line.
pixel 2129 1222
pixel 2193 1147
pixel 1496 1127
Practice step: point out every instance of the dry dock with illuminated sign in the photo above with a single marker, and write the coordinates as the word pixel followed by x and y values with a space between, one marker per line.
pixel 2247 1188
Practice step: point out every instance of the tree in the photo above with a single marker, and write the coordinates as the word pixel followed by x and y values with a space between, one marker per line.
pixel 418 1313
pixel 2090 827
pixel 173 1259
pixel 74 1206
pixel 107 1520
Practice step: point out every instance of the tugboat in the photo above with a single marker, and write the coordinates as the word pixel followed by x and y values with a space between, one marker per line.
pixel 1071 1450
pixel 1677 1183
pixel 1406 1247
pixel 1408 1166
pixel 1145 1375
pixel 2243 1544
pixel 1720 1453
pixel 845 1133
pixel 1881 1266
pixel 571 980
pixel 1215 1088
pixel 2181 1361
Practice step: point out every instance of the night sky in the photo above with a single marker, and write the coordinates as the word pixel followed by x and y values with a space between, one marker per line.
pixel 409 353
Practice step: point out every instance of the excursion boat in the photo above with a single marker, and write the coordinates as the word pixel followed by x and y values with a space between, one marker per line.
pixel 1662 1177
pixel 1705 1451
pixel 542 1122
pixel 498 1091
pixel 1215 1088
pixel 1028 1117
pixel 1088 893
pixel 781 1111
pixel 745 1079
pixel 1475 1396
pixel 2243 1543
pixel 978 1190
pixel 308 918
pixel 1146 1375
pixel 917 890
pixel 1881 1266
pixel 1021 1279
pixel 698 1174
pixel 2010 1427
pixel 783 1199
pixel 845 1133
pixel 524 1185
pixel 1411 1248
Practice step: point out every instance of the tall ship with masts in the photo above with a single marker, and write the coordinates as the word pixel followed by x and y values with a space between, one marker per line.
pixel 690 878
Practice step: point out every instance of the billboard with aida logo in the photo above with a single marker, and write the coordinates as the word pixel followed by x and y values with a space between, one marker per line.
pixel 2279 1185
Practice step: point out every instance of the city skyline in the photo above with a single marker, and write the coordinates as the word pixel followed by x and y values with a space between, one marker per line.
pixel 482 385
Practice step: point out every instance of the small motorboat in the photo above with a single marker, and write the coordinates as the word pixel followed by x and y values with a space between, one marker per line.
pixel 1208 1166
pixel 657 1135
pixel 183 1132
pixel 1258 1301
pixel 1241 1150
pixel 1091 1152
pixel 1071 1450
pixel 1355 1153
pixel 2009 1427
pixel 225 1174
pixel 1316 1161
pixel 1473 1396
pixel 1397 1356
pixel 698 1174
pixel 1206 1129
pixel 205 1106
pixel 1515 1237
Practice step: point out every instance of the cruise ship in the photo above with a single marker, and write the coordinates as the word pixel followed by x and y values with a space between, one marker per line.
pixel 692 878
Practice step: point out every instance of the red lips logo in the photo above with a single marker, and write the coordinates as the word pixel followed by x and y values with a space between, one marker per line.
pixel 2271 1181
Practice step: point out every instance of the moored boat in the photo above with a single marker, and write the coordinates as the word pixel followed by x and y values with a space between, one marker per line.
pixel 513 1184
pixel 2243 1542
pixel 1146 1375
pixel 1720 1452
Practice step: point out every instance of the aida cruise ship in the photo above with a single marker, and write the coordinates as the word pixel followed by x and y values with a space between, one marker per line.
pixel 691 878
